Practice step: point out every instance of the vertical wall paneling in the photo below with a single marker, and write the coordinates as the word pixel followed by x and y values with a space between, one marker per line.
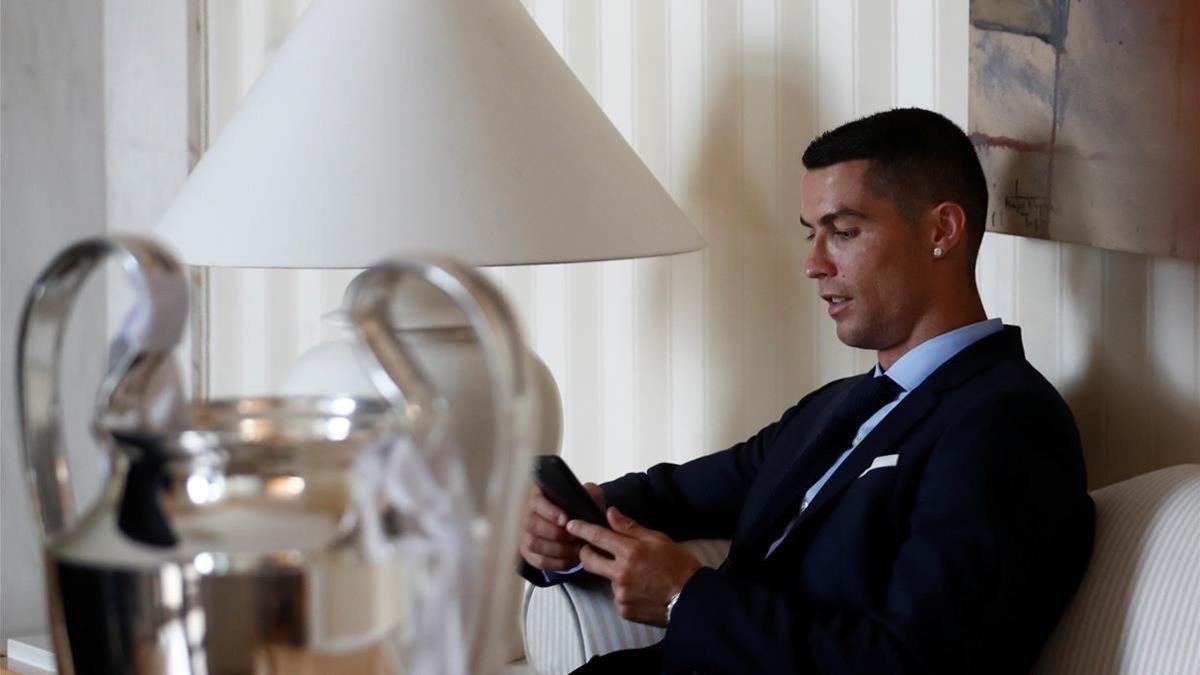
pixel 617 293
pixel 255 39
pixel 686 356
pixel 796 49
pixel 916 44
pixel 308 303
pixel 1037 295
pixel 617 355
pixel 252 330
pixel 226 56
pixel 226 351
pixel 583 410
pixel 520 283
pixel 284 320
pixel 997 276
pixel 1125 369
pixel 952 28
pixel 651 277
pixel 1080 323
pixel 721 170
pixel 548 333
pixel 260 320
pixel 57 144
pixel 835 104
pixel 761 254
pixel 1171 332
pixel 666 359
pixel 875 87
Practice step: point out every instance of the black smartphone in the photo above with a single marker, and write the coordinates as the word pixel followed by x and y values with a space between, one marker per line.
pixel 560 486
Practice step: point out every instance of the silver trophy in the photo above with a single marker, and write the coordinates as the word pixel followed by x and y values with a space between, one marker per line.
pixel 335 534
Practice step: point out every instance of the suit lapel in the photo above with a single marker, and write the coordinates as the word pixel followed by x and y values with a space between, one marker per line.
pixel 762 512
pixel 783 496
pixel 960 368
pixel 882 438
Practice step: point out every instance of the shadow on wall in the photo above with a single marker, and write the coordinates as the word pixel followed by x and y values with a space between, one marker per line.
pixel 1134 395
pixel 744 171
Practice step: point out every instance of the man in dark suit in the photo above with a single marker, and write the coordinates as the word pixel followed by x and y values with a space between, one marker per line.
pixel 929 516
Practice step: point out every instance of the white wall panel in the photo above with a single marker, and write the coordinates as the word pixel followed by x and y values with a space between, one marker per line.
pixel 1171 332
pixel 670 358
pixel 874 55
pixel 800 314
pixel 951 28
pixel 761 254
pixel 652 277
pixel 617 309
pixel 835 93
pixel 688 377
pixel 53 187
pixel 1080 324
pixel 1038 298
pixel 583 431
pixel 720 174
pixel 916 47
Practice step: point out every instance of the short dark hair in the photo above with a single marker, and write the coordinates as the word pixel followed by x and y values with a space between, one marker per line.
pixel 918 159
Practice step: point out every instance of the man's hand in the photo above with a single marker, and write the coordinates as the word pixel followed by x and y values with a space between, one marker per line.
pixel 545 543
pixel 646 567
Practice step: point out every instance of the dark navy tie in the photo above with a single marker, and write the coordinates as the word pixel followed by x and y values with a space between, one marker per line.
pixel 865 399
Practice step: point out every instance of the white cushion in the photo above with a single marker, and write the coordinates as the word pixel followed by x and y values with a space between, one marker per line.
pixel 1138 607
pixel 568 624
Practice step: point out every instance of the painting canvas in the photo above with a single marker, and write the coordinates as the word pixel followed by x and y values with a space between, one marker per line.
pixel 1086 116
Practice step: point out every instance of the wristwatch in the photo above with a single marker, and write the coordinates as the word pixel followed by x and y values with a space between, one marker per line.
pixel 671 605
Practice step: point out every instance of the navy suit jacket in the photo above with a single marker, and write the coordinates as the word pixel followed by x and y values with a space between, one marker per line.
pixel 958 559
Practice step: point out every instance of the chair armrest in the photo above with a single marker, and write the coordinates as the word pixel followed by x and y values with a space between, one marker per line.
pixel 566 625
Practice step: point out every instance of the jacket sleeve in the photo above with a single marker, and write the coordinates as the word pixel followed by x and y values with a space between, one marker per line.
pixel 998 537
pixel 700 499
pixel 697 500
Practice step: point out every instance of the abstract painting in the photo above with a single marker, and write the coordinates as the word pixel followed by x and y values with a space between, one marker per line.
pixel 1086 116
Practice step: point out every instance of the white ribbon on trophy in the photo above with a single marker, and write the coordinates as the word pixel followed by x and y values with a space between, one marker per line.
pixel 427 489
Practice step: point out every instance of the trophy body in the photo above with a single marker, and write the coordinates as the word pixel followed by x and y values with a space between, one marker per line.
pixel 303 534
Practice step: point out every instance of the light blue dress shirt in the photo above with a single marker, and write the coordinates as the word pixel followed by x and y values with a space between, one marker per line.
pixel 909 371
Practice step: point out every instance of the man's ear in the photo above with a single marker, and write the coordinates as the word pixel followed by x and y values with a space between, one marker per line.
pixel 949 229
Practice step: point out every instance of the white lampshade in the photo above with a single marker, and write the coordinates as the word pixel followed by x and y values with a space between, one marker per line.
pixel 384 126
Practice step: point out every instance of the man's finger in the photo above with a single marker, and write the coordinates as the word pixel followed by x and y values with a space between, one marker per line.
pixel 596 563
pixel 541 562
pixel 599 537
pixel 596 493
pixel 551 549
pixel 624 524
pixel 546 509
pixel 540 527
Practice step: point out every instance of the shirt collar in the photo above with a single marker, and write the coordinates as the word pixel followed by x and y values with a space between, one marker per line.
pixel 910 370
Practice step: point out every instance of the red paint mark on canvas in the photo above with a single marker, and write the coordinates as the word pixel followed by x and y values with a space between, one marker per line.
pixel 1008 142
pixel 981 140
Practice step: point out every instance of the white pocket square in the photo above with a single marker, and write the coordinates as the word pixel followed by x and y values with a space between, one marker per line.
pixel 880 462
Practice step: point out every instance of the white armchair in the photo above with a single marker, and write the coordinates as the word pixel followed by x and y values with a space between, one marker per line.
pixel 568 624
pixel 1135 612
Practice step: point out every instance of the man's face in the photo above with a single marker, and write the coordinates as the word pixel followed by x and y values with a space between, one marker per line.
pixel 871 266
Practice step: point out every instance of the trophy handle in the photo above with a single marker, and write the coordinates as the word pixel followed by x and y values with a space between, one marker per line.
pixel 151 330
pixel 410 390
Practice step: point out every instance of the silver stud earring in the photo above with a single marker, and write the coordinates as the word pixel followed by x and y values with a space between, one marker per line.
pixel 937 252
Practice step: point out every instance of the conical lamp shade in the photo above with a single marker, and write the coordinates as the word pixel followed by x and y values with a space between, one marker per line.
pixel 384 126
